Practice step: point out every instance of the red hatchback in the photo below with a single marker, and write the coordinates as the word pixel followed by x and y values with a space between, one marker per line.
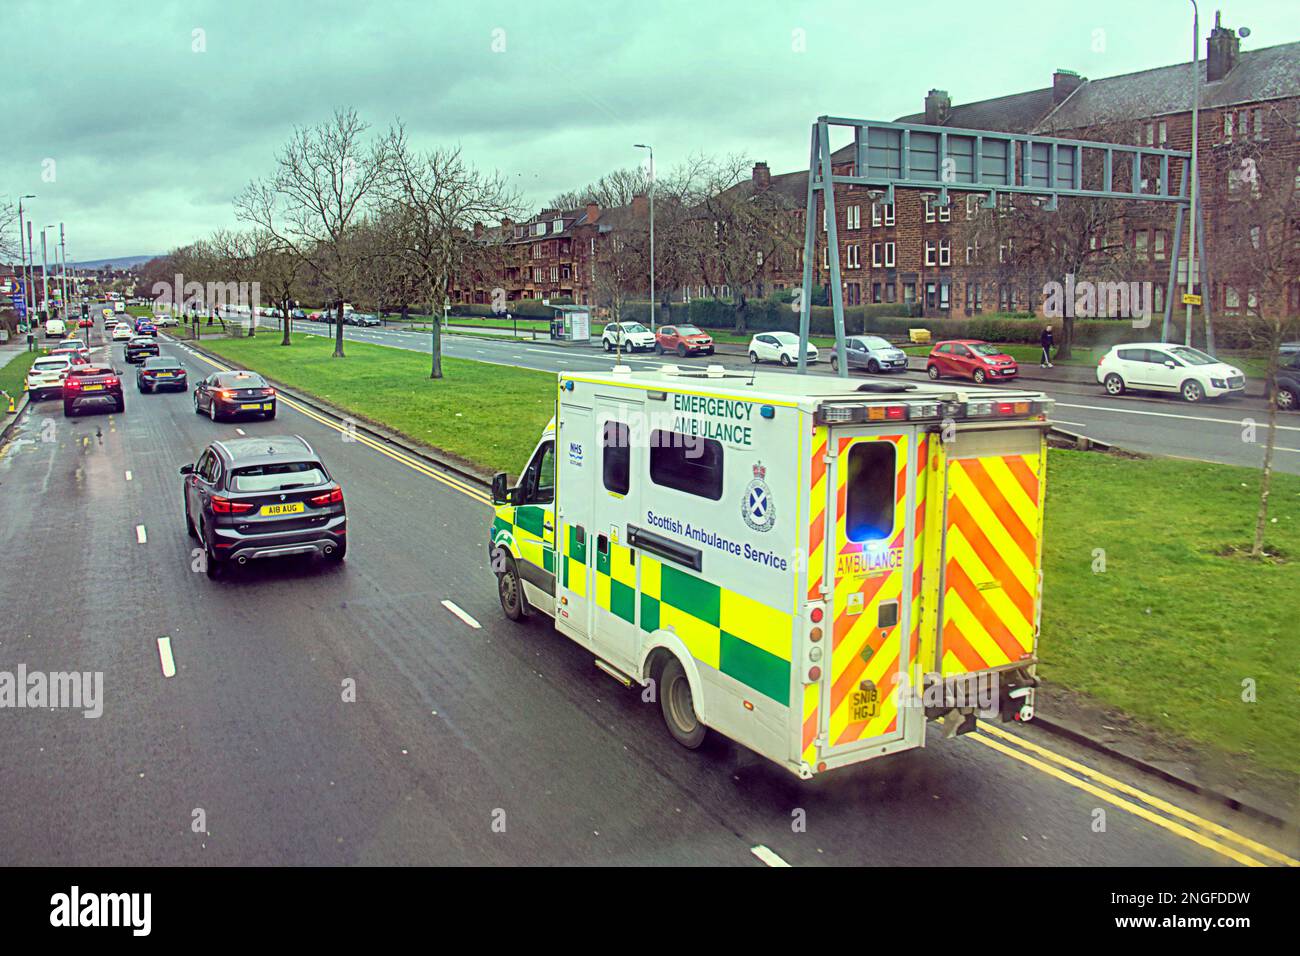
pixel 683 339
pixel 970 358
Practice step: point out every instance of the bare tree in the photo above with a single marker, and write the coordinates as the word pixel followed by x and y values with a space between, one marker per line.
pixel 434 199
pixel 1257 249
pixel 326 178
pixel 10 241
pixel 614 189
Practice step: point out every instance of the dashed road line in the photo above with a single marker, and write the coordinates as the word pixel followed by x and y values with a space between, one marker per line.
pixel 128 476
pixel 767 856
pixel 165 657
pixel 140 536
pixel 451 606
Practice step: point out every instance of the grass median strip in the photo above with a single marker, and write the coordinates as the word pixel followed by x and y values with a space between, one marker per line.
pixel 488 415
pixel 1167 632
pixel 13 376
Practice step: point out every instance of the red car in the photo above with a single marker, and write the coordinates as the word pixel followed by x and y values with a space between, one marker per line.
pixel 970 358
pixel 683 339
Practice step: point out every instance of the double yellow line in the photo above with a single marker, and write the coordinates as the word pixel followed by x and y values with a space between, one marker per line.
pixel 1183 823
pixel 1162 813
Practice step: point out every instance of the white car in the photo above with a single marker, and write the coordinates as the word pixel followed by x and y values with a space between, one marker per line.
pixel 164 320
pixel 1165 367
pixel 45 377
pixel 54 328
pixel 123 332
pixel 633 336
pixel 780 347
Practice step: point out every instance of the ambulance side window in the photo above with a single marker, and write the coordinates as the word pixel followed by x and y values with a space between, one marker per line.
pixel 686 463
pixel 616 458
pixel 869 502
pixel 539 476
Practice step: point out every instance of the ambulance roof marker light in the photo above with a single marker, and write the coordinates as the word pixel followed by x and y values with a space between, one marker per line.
pixel 671 370
pixel 715 371
pixel 622 370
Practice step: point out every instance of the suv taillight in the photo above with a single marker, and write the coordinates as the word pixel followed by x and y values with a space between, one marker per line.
pixel 72 381
pixel 224 506
pixel 333 497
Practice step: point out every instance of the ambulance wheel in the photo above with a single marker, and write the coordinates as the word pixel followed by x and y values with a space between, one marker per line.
pixel 511 591
pixel 678 706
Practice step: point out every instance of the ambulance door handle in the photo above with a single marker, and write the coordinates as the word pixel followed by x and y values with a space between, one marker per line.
pixel 602 544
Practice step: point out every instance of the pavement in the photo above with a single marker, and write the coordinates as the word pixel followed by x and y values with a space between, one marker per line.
pixel 470 739
pixel 1215 431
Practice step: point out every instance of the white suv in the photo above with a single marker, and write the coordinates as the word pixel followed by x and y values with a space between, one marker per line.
pixel 45 377
pixel 634 336
pixel 780 347
pixel 1165 367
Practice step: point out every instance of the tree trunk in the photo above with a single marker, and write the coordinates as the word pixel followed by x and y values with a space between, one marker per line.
pixel 1266 477
pixel 338 331
pixel 740 309
pixel 286 319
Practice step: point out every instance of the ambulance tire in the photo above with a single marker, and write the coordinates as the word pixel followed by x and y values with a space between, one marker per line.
pixel 511 591
pixel 678 706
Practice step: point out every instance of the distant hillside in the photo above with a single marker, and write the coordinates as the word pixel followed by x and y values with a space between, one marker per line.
pixel 121 262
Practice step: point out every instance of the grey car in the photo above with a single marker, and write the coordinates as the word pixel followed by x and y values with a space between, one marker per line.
pixel 872 353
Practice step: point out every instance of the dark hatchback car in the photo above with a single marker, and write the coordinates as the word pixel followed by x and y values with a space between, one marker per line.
pixel 92 386
pixel 264 497
pixel 160 372
pixel 1288 377
pixel 140 348
pixel 224 394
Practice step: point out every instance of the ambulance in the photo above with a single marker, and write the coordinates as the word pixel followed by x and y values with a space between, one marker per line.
pixel 815 567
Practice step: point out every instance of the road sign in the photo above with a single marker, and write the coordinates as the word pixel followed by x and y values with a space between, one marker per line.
pixel 1189 299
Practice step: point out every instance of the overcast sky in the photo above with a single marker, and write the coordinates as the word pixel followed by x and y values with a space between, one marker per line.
pixel 136 123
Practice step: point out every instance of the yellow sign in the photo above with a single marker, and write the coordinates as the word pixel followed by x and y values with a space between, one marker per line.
pixel 1189 299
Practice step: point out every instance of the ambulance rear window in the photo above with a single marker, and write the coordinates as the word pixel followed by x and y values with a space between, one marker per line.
pixel 869 502
pixel 686 463
pixel 615 458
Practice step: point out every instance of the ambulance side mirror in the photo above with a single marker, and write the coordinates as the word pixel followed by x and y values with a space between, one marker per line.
pixel 500 493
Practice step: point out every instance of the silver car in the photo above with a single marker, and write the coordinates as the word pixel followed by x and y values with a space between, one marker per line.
pixel 872 353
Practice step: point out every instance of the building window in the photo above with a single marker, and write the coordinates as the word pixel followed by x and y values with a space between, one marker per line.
pixel 944 304
pixel 686 463
pixel 854 254
pixel 557 225
pixel 889 255
pixel 826 257
pixel 1140 250
pixel 1159 240
pixel 945 212
pixel 875 214
pixel 889 214
pixel 929 295
pixel 854 218
pixel 537 250
pixel 876 261
pixel 945 252
pixel 891 292
pixel 869 498
pixel 1257 117
pixel 930 250
pixel 929 209
pixel 555 273
pixel 875 292
pixel 1164 132
pixel 853 294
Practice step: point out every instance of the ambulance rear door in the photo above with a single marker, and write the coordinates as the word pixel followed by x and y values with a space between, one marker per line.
pixel 872 491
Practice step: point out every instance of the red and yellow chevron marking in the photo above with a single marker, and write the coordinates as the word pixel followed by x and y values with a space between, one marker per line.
pixel 853 718
pixel 816 573
pixel 991 568
pixel 918 551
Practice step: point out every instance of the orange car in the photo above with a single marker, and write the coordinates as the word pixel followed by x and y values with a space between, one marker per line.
pixel 683 339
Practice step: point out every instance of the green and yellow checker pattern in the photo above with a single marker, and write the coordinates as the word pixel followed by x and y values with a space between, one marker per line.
pixel 743 638
pixel 573 571
pixel 524 529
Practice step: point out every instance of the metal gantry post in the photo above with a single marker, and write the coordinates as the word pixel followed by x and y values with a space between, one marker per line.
pixel 809 247
pixel 832 245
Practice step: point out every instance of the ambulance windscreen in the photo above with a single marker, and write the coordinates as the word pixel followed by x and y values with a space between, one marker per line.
pixel 869 498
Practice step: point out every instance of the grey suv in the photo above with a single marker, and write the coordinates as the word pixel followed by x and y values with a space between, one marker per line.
pixel 263 497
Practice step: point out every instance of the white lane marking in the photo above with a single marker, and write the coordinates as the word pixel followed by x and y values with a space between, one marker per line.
pixel 1185 418
pixel 767 856
pixel 165 657
pixel 128 476
pixel 241 431
pixel 450 606
pixel 140 536
pixel 1060 421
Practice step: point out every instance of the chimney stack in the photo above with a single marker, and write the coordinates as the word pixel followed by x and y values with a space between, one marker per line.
pixel 640 205
pixel 593 212
pixel 1222 49
pixel 937 107
pixel 1064 82
pixel 761 177
pixel 478 230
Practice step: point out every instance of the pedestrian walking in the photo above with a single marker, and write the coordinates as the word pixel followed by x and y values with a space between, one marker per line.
pixel 1047 342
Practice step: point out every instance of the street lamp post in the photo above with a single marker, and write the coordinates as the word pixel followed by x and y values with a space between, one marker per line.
pixel 63 271
pixel 25 250
pixel 45 273
pixel 1196 108
pixel 653 303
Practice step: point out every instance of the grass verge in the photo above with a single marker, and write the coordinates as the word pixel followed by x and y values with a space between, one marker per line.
pixel 489 415
pixel 13 376
pixel 1167 633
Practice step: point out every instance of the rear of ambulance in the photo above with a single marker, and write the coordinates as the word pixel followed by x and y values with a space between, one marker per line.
pixel 982 573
